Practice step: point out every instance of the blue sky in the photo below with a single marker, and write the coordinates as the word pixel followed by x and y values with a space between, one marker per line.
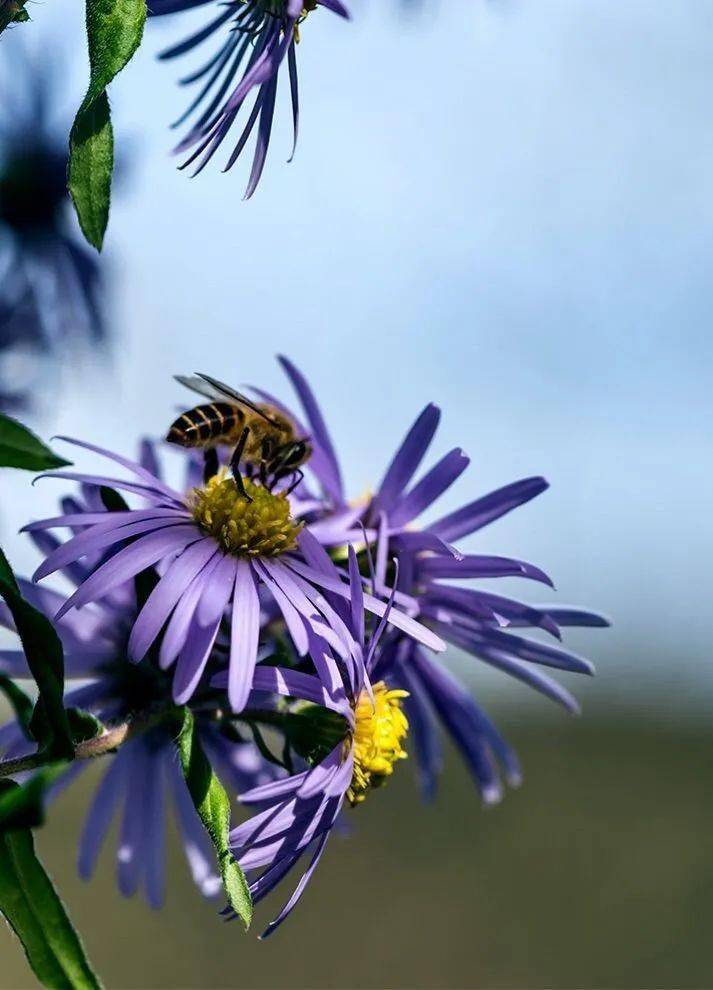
pixel 502 207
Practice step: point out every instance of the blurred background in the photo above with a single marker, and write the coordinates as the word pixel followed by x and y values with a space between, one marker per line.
pixel 506 208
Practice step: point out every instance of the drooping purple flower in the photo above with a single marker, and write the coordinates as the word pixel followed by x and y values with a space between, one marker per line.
pixel 361 743
pixel 143 778
pixel 51 292
pixel 218 557
pixel 259 36
pixel 483 624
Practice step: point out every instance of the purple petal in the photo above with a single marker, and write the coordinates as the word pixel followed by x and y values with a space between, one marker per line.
pixel 487 509
pixel 516 668
pixel 148 459
pixel 531 651
pixel 357 597
pixel 293 621
pixel 205 622
pixel 244 634
pixel 294 96
pixel 101 536
pixel 429 488
pixel 406 460
pixel 396 618
pixel 293 684
pixel 131 852
pixel 429 757
pixel 165 595
pixel 471 729
pixel 149 492
pixel 155 858
pixel 317 426
pixel 336 7
pixel 137 469
pixel 299 889
pixel 102 810
pixel 565 615
pixel 479 566
pixel 265 792
pixel 147 550
pixel 418 541
pixel 267 112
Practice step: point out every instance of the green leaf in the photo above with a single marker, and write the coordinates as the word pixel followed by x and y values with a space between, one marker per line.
pixel 91 164
pixel 114 32
pixel 45 658
pixel 213 807
pixel 32 907
pixel 23 805
pixel 21 704
pixel 20 448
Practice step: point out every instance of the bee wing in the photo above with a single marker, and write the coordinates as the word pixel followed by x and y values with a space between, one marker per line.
pixel 225 392
pixel 195 384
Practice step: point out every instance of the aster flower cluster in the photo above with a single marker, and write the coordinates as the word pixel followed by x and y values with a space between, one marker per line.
pixel 298 629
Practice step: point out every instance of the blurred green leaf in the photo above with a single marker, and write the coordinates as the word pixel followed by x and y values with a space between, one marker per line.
pixel 21 704
pixel 83 725
pixel 45 658
pixel 23 805
pixel 12 12
pixel 20 448
pixel 32 907
pixel 213 807
pixel 112 500
pixel 114 32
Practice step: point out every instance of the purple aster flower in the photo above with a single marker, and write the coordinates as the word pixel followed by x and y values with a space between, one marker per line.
pixel 484 624
pixel 143 778
pixel 358 734
pixel 51 286
pixel 219 557
pixel 259 36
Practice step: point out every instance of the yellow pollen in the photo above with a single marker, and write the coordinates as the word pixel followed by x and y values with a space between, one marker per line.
pixel 261 528
pixel 379 731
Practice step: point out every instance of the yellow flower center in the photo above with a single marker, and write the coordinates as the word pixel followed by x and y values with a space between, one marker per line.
pixel 379 732
pixel 261 528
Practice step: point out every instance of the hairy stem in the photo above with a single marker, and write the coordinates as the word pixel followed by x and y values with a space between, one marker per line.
pixel 87 750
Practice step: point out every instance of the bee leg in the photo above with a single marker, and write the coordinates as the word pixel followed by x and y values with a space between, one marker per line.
pixel 265 455
pixel 297 476
pixel 235 464
pixel 210 464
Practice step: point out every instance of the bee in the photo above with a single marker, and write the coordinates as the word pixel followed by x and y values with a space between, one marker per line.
pixel 265 440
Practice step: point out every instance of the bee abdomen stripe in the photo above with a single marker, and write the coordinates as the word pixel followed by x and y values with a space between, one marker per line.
pixel 203 423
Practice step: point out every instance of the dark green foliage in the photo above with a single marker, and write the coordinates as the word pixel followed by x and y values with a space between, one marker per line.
pixel 20 448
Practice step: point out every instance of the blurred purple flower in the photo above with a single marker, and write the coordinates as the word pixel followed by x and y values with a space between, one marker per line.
pixel 260 35
pixel 51 284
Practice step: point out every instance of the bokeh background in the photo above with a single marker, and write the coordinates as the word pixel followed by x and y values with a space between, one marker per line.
pixel 506 208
